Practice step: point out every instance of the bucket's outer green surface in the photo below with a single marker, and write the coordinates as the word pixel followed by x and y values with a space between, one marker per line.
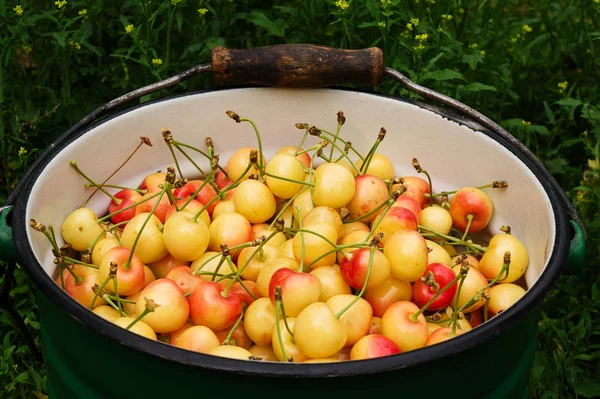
pixel 84 364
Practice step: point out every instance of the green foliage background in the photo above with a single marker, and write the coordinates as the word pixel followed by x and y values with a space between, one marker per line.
pixel 532 66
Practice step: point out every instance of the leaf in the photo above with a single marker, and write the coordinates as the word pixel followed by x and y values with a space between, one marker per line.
pixel 588 389
pixel 539 129
pixel 569 104
pixel 60 38
pixel 549 113
pixel 433 61
pixel 475 87
pixel 260 19
pixel 591 113
pixel 472 59
pixel 366 24
pixel 445 74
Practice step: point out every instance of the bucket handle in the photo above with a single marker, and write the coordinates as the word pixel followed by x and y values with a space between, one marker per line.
pixel 311 66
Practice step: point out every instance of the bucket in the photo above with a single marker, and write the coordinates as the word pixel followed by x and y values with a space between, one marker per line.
pixel 277 87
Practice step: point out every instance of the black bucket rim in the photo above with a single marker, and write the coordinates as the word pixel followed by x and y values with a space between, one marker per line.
pixel 495 326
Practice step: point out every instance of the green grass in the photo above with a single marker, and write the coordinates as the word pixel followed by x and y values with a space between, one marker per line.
pixel 532 66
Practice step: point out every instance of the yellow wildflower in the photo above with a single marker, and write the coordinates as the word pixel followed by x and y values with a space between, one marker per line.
pixel 22 151
pixel 409 26
pixel 415 21
pixel 527 28
pixel 447 16
pixel 422 38
pixel 60 3
pixel 175 2
pixel 341 4
pixel 526 124
pixel 157 61
pixel 384 2
pixel 419 47
pixel 18 10
pixel 83 12
pixel 482 52
pixel 381 24
pixel 202 11
pixel 129 28
pixel 473 45
pixel 562 86
pixel 514 39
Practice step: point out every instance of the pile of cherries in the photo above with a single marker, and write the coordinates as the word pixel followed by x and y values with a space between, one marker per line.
pixel 321 254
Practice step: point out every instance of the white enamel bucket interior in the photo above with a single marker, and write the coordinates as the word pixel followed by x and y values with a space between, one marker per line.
pixel 454 154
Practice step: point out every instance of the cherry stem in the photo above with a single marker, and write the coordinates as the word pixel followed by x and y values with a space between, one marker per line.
pixel 116 186
pixel 374 211
pixel 78 279
pixel 495 184
pixel 169 141
pixel 470 217
pixel 234 327
pixel 112 304
pixel 390 202
pixel 288 203
pixel 290 180
pixel 278 304
pixel 150 307
pixel 178 143
pixel 413 317
pixel 418 168
pixel 71 260
pixel 335 137
pixel 365 166
pixel 454 240
pixel 78 170
pixel 338 248
pixel 62 279
pixel 362 158
pixel 99 290
pixel 143 140
pixel 485 309
pixel 110 215
pixel 239 246
pixel 206 181
pixel 301 266
pixel 108 230
pixel 166 186
pixel 342 152
pixel 299 230
pixel 364 287
pixel 299 146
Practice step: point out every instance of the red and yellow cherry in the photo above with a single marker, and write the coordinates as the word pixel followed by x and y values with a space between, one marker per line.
pixel 315 245
pixel 389 292
pixel 472 284
pixel 475 318
pixel 163 266
pixel 148 276
pixel 380 166
pixel 298 290
pixel 260 258
pixel 129 307
pixel 185 238
pixel 204 196
pixel 150 246
pixel 352 226
pixel 334 185
pixel 443 334
pixel 264 353
pixel 492 260
pixel 221 180
pixel 208 306
pixel 139 327
pixel 208 269
pixel 174 309
pixel 409 203
pixel 396 324
pixel 266 273
pixel 332 282
pixel 130 277
pixel 148 206
pixel 80 228
pixel 471 201
pixel 355 270
pixel 231 352
pixel 82 291
pixel 290 346
pixel 223 207
pixel 231 229
pixel 262 229
pixel 437 219
pixel 283 174
pixel 193 207
pixel 407 252
pixel 128 197
pixel 373 346
pixel 436 276
pixel 244 293
pixel 353 237
pixel 174 335
pixel 431 327
pixel 286 249
pixel 239 161
pixel 503 296
pixel 198 339
pixel 183 277
pixel 153 181
pixel 304 158
pixel 473 261
pixel 260 321
pixel 323 360
pixel 254 201
pixel 239 336
pixel 317 331
pixel 395 219
pixel 437 253
pixel 375 327
pixel 325 214
pixel 370 193
pixel 101 248
pixel 301 206
pixel 356 319
pixel 416 188
pixel 107 312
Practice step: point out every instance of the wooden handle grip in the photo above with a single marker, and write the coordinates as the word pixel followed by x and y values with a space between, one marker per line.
pixel 296 65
